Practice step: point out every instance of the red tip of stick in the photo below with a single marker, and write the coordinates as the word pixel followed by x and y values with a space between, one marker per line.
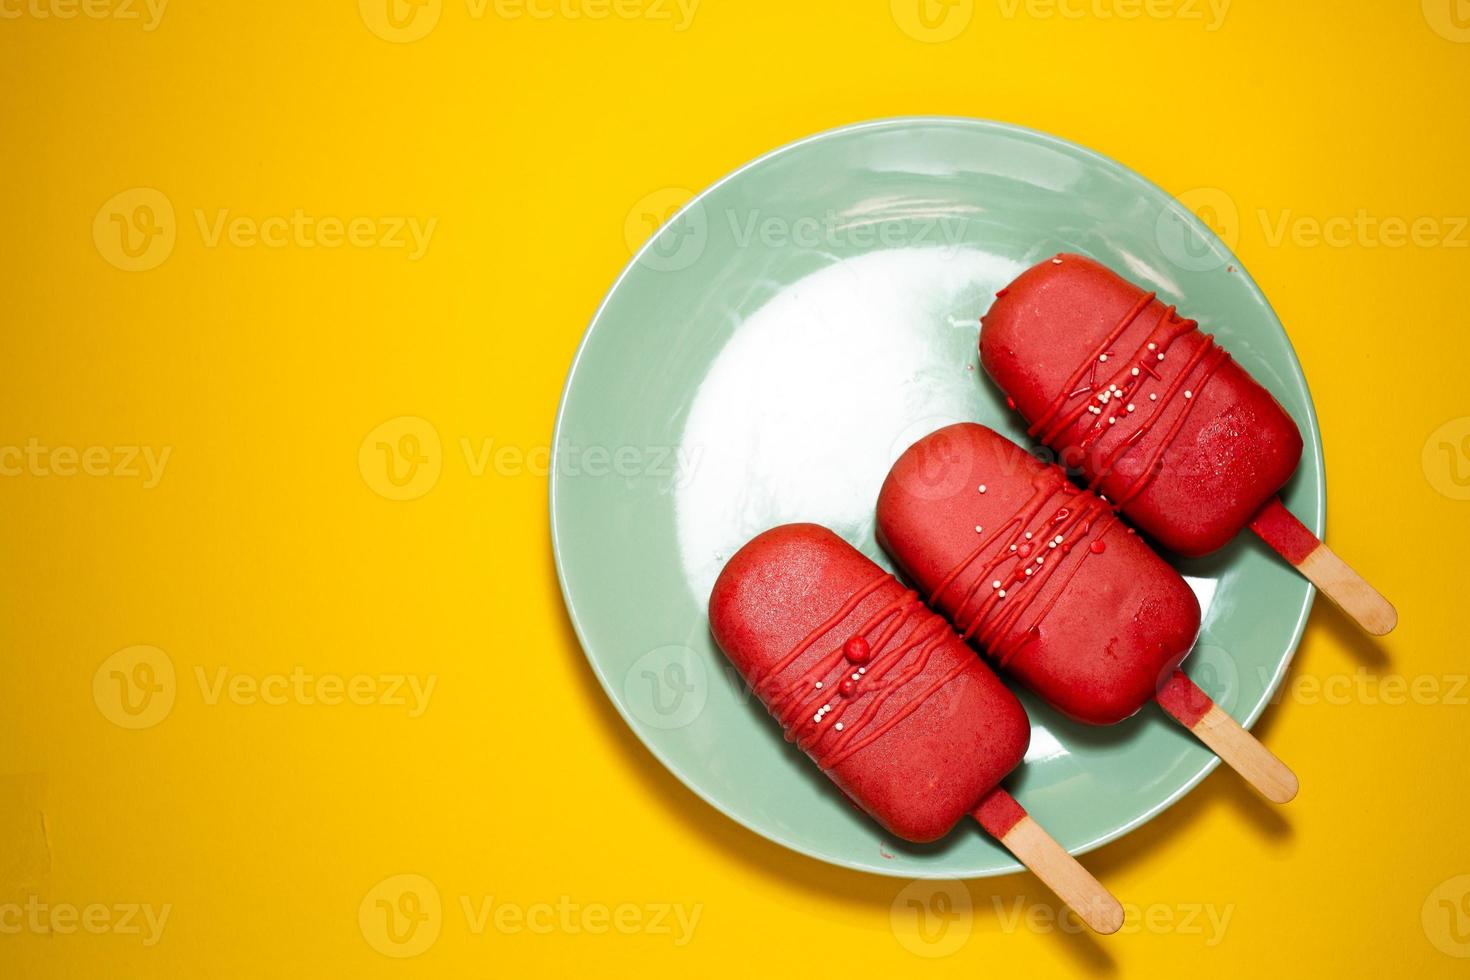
pixel 1183 699
pixel 998 813
pixel 1280 529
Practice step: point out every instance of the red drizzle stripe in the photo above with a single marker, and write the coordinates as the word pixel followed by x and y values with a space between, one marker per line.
pixel 1076 379
pixel 996 624
pixel 889 670
pixel 1124 387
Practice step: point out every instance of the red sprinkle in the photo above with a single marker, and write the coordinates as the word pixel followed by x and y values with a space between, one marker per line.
pixel 857 650
pixel 847 688
pixel 1098 547
pixel 1024 550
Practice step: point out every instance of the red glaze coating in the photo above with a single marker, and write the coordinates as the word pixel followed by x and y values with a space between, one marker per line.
pixel 1093 632
pixel 930 730
pixel 1189 469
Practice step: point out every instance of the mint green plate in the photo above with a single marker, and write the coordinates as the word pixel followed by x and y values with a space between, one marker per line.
pixel 767 356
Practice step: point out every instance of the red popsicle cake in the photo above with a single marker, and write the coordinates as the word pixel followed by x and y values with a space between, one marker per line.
pixel 879 691
pixel 1043 577
pixel 1160 419
pixel 866 680
pixel 1037 572
pixel 1157 416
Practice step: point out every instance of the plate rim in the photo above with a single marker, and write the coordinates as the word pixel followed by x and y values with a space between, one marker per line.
pixel 1312 439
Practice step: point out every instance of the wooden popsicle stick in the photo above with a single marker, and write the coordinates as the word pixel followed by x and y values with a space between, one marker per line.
pixel 1008 822
pixel 1293 541
pixel 1236 747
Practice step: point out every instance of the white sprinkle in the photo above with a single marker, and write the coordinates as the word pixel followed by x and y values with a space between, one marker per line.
pixel 857 677
pixel 1028 535
pixel 1051 544
pixel 1188 394
pixel 862 670
pixel 1130 406
pixel 1153 398
pixel 1056 261
pixel 1161 357
pixel 1057 540
pixel 979 529
pixel 982 488
pixel 1002 593
pixel 1134 372
pixel 1112 420
pixel 1013 547
pixel 1153 346
pixel 1112 387
pixel 1030 570
pixel 819 685
pixel 817 718
pixel 838 726
pixel 995 584
pixel 1103 358
pixel 1040 559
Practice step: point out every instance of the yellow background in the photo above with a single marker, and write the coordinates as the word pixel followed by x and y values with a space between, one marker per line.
pixel 532 141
